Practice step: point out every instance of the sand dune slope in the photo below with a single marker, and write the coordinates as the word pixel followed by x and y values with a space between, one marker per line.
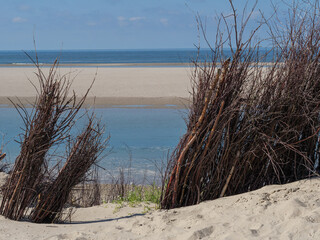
pixel 289 211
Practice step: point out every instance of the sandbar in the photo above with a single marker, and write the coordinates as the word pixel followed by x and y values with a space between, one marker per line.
pixel 155 86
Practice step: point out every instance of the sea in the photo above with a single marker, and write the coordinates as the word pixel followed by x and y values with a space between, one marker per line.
pixel 129 56
pixel 141 138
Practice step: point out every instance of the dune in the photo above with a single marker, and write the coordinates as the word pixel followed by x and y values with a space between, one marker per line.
pixel 290 211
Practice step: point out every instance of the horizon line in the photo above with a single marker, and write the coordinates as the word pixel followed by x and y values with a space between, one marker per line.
pixel 116 49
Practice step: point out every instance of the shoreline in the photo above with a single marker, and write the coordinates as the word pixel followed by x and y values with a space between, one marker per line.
pixel 111 102
pixel 187 64
pixel 114 65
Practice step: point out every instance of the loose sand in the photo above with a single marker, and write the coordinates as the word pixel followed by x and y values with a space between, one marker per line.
pixel 290 211
pixel 157 86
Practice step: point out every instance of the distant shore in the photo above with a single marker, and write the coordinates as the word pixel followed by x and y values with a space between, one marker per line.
pixel 100 65
pixel 115 65
pixel 155 87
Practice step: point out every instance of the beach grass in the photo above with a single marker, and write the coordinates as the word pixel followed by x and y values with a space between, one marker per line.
pixel 140 193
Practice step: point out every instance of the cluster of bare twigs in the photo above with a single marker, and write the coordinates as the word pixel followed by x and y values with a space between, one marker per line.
pixel 49 123
pixel 2 155
pixel 83 154
pixel 2 166
pixel 251 126
pixel 88 193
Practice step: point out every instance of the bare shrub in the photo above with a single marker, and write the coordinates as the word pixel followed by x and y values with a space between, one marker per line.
pixel 250 126
pixel 49 123
pixel 84 153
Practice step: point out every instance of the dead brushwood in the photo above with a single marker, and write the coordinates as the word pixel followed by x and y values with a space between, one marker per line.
pixel 83 154
pixel 48 124
pixel 3 166
pixel 251 126
pixel 88 193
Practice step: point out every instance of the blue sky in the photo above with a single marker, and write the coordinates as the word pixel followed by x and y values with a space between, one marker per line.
pixel 109 24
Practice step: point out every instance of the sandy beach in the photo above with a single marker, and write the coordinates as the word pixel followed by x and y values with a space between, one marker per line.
pixel 290 211
pixel 156 86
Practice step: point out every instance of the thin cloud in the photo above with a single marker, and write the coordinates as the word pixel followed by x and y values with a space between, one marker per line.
pixel 122 21
pixel 120 18
pixel 24 7
pixel 164 21
pixel 134 19
pixel 91 23
pixel 18 20
pixel 255 14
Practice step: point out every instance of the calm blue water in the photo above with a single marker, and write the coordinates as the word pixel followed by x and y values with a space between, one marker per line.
pixel 109 56
pixel 103 56
pixel 147 133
